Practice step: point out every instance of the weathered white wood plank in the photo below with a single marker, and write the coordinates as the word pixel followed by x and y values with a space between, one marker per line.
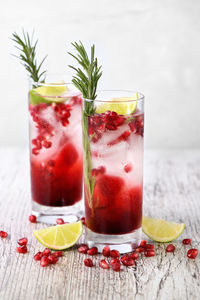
pixel 172 191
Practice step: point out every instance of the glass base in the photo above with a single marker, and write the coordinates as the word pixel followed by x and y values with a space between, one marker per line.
pixel 49 214
pixel 124 243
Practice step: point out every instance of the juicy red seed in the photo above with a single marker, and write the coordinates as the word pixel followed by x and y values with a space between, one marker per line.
pixel 187 241
pixel 116 267
pixel 106 251
pixel 32 219
pixel 125 135
pixel 92 251
pixel 41 138
pixel 47 144
pixel 3 234
pixel 103 264
pixel 38 256
pixel 114 253
pixel 149 253
pixel 83 220
pixel 192 253
pixel 149 247
pixel 65 122
pixel 125 257
pixel 22 241
pixel 88 262
pixel 58 254
pixel 22 250
pixel 128 168
pixel 83 249
pixel 60 221
pixel 114 260
pixel 132 127
pixel 44 262
pixel 128 262
pixel 53 259
pixel 134 255
pixel 170 248
pixel 35 151
pixel 139 249
pixel 143 243
pixel 46 252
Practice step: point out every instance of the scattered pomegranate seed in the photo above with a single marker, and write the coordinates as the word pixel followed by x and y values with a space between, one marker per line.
pixel 116 267
pixel 60 221
pixel 170 248
pixel 149 253
pixel 58 254
pixel 92 251
pixel 114 253
pixel 114 260
pixel 35 151
pixel 106 251
pixel 128 262
pixel 134 255
pixel 125 257
pixel 103 264
pixel 83 249
pixel 46 252
pixel 83 220
pixel 47 144
pixel 3 234
pixel 38 256
pixel 143 243
pixel 128 168
pixel 22 250
pixel 88 262
pixel 53 259
pixel 187 241
pixel 32 219
pixel 192 253
pixel 139 249
pixel 44 262
pixel 22 241
pixel 149 247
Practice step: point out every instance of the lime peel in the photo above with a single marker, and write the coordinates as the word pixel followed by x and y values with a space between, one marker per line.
pixel 48 94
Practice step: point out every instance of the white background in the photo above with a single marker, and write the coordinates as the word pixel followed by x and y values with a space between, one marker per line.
pixel 149 45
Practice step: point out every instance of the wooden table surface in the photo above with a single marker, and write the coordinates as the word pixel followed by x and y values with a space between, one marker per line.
pixel 171 191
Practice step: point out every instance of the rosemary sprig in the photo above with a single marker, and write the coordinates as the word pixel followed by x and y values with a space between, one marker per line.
pixel 27 48
pixel 86 80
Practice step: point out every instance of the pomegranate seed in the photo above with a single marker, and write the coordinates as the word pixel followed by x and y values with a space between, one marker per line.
pixel 44 262
pixel 83 249
pixel 143 243
pixel 116 267
pixel 170 248
pixel 22 250
pixel 134 255
pixel 47 144
pixel 38 256
pixel 192 253
pixel 46 252
pixel 60 221
pixel 88 262
pixel 92 251
pixel 187 241
pixel 128 168
pixel 53 259
pixel 114 253
pixel 114 260
pixel 106 251
pixel 128 262
pixel 3 234
pixel 32 219
pixel 22 241
pixel 149 247
pixel 83 220
pixel 139 249
pixel 35 151
pixel 132 127
pixel 103 264
pixel 149 253
pixel 125 257
pixel 58 254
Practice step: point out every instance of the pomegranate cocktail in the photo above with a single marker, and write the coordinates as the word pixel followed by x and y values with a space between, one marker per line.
pixel 56 147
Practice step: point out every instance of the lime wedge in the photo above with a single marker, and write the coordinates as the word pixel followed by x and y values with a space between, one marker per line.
pixel 125 107
pixel 48 94
pixel 160 230
pixel 59 237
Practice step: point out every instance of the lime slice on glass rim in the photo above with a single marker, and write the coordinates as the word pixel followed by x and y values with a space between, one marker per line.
pixel 125 107
pixel 59 237
pixel 160 230
pixel 48 94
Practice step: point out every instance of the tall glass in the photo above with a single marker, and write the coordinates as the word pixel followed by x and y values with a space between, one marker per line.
pixel 113 169
pixel 56 165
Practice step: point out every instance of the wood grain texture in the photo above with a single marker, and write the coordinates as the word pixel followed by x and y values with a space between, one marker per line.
pixel 172 191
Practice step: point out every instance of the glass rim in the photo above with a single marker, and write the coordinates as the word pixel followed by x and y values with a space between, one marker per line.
pixel 133 92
